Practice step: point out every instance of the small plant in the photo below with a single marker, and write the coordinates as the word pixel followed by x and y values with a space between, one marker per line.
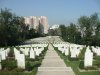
pixel 81 55
pixel 29 67
pixel 81 65
pixel 9 65
pixel 18 70
pixel 11 53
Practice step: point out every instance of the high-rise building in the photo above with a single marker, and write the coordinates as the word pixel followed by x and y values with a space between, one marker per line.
pixel 27 20
pixel 44 23
pixel 35 22
pixel 31 21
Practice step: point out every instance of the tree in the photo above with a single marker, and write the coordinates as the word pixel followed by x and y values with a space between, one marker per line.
pixel 90 27
pixel 55 32
pixel 72 33
pixel 11 26
pixel 63 32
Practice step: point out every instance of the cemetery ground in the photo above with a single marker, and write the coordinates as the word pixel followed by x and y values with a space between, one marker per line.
pixel 78 66
pixel 9 66
pixel 26 59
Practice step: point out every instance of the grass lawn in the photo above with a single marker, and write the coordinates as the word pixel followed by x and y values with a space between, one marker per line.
pixel 75 65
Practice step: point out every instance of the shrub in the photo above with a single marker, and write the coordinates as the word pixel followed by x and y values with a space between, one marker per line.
pixel 81 65
pixel 90 68
pixel 97 57
pixel 18 69
pixel 29 67
pixel 8 65
pixel 81 55
pixel 37 63
pixel 96 63
pixel 11 53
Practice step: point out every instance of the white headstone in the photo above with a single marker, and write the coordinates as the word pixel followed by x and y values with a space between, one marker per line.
pixel 0 58
pixel 3 55
pixel 32 53
pixel 88 59
pixel 25 51
pixel 98 51
pixel 63 49
pixel 0 63
pixel 36 51
pixel 21 61
pixel 0 66
pixel 73 54
pixel 67 51
pixel 16 53
pixel 7 51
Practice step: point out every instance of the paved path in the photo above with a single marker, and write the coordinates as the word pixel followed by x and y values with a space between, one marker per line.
pixel 52 64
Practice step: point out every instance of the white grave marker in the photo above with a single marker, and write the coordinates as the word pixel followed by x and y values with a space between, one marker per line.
pixel 88 59
pixel 21 61
pixel 32 53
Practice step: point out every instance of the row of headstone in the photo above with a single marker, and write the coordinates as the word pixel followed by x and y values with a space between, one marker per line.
pixel 31 51
pixel 75 50
pixel 34 45
pixel 25 51
pixel 1 49
pixel 3 55
pixel 65 48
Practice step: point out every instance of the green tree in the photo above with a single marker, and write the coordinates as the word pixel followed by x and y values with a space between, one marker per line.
pixel 90 27
pixel 55 32
pixel 10 28
pixel 73 34
pixel 63 32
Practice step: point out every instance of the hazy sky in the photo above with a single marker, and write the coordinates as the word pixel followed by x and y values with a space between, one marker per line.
pixel 57 11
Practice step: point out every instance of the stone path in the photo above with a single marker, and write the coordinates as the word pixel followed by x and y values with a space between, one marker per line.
pixel 52 64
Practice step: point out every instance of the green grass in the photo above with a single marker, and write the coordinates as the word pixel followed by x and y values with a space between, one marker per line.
pixel 75 65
